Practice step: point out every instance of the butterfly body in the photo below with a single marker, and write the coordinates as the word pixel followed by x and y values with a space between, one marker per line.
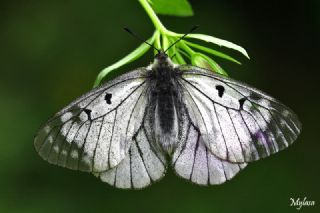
pixel 165 94
pixel 207 126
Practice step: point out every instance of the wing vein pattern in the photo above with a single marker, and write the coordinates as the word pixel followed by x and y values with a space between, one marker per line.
pixel 247 125
pixel 209 127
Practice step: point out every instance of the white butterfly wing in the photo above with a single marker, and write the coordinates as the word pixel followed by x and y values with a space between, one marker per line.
pixel 193 161
pixel 236 122
pixel 223 125
pixel 94 133
pixel 141 167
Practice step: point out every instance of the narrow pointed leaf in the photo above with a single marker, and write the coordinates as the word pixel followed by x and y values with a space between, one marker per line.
pixel 137 53
pixel 219 42
pixel 212 51
pixel 206 62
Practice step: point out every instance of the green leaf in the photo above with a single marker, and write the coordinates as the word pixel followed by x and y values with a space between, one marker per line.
pixel 219 42
pixel 211 51
pixel 137 53
pixel 206 62
pixel 172 7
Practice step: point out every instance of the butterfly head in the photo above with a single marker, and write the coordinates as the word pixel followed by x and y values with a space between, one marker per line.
pixel 161 56
pixel 162 60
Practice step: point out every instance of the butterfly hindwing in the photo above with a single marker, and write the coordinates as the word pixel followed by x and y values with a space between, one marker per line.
pixel 193 161
pixel 142 166
pixel 94 133
pixel 238 123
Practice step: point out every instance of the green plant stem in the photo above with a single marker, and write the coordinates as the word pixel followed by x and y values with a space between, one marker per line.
pixel 154 18
pixel 182 53
pixel 165 42
pixel 186 48
pixel 157 42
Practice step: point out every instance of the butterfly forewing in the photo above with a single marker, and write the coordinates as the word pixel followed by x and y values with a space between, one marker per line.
pixel 94 133
pixel 237 123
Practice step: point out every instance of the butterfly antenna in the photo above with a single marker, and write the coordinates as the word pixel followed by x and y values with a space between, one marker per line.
pixel 140 38
pixel 182 37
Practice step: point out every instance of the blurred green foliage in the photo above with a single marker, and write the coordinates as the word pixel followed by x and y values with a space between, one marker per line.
pixel 51 52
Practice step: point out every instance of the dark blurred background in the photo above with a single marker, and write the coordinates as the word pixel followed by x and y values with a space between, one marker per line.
pixel 52 50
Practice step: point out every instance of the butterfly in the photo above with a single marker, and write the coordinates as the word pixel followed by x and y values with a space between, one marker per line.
pixel 208 127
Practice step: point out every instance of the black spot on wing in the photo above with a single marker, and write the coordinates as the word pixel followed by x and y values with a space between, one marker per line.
pixel 255 96
pixel 108 98
pixel 241 102
pixel 88 112
pixel 220 90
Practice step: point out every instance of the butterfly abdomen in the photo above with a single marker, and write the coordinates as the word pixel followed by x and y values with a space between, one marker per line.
pixel 166 122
